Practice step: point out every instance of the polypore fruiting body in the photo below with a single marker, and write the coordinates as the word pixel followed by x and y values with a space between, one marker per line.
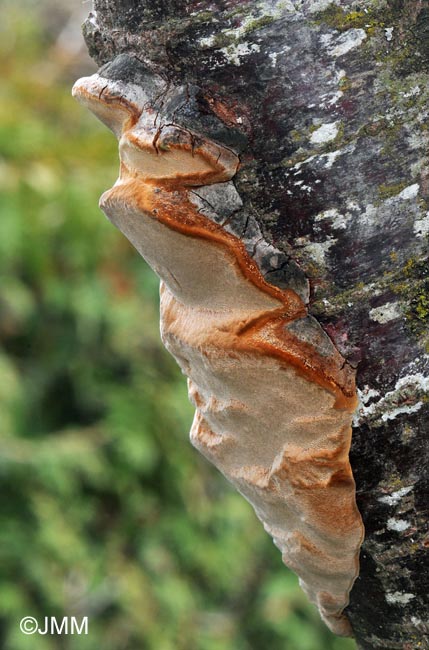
pixel 274 399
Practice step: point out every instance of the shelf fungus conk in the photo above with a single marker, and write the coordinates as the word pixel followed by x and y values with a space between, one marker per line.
pixel 274 398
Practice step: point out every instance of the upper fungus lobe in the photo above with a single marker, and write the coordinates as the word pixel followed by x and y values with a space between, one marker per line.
pixel 274 399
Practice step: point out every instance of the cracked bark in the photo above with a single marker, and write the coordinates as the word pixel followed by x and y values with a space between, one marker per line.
pixel 326 103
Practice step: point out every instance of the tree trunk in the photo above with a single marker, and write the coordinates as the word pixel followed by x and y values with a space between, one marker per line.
pixel 326 104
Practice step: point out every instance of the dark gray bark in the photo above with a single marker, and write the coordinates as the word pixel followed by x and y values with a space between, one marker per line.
pixel 327 104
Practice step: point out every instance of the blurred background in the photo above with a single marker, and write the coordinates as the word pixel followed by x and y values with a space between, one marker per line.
pixel 106 509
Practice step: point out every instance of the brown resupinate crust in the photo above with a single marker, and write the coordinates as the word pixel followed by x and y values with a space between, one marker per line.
pixel 273 410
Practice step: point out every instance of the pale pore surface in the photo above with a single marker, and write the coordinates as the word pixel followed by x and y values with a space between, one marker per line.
pixel 278 438
pixel 197 271
pixel 275 435
pixel 274 432
pixel 166 164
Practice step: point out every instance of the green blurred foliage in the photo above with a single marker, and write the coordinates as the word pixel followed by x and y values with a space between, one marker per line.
pixel 106 510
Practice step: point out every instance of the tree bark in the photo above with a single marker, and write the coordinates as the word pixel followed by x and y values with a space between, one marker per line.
pixel 326 104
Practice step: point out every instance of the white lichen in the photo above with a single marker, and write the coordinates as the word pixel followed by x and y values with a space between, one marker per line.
pixel 367 393
pixel 409 192
pixel 385 313
pixel 93 19
pixel 404 398
pixel 331 158
pixel 344 43
pixel 320 5
pixel 398 525
pixel 338 221
pixel 397 598
pixel 339 76
pixel 234 53
pixel 409 408
pixel 273 57
pixel 325 133
pixel 298 165
pixel 368 217
pixel 317 250
pixel 330 99
pixel 394 498
pixel 417 140
pixel 209 41
pixel 388 32
pixel 421 226
pixel 413 92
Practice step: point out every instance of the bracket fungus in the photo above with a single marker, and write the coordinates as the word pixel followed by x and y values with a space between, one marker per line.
pixel 274 398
